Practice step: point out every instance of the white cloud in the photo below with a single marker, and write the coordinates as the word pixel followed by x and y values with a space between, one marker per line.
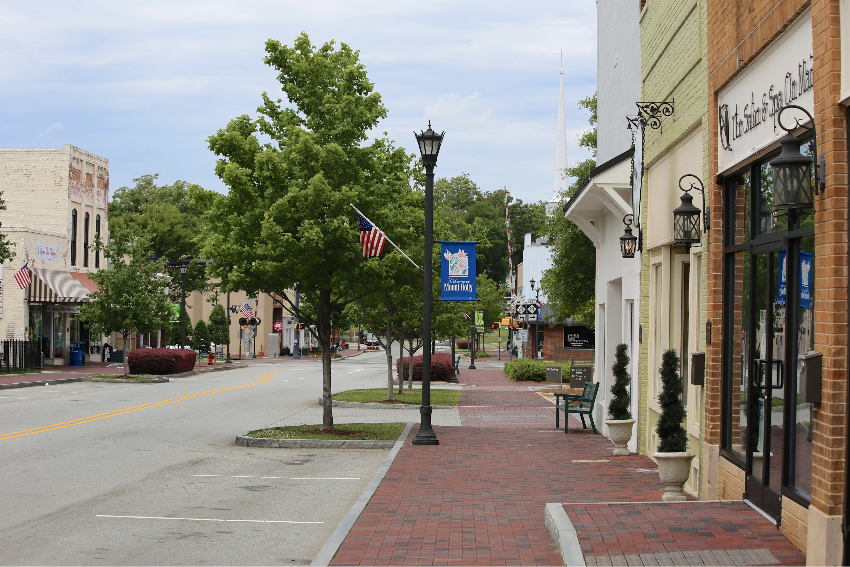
pixel 51 128
pixel 144 84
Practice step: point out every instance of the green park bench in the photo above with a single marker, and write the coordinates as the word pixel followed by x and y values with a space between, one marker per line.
pixel 584 406
pixel 457 365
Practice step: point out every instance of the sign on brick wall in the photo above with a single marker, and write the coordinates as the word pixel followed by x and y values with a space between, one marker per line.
pixel 47 252
pixel 747 109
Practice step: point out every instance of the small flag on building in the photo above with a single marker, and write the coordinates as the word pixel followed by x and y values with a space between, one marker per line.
pixel 246 310
pixel 23 276
pixel 372 238
pixel 540 303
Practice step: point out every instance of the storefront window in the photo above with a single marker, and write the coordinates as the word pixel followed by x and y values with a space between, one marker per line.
pixel 737 386
pixel 801 441
pixel 58 335
pixel 34 330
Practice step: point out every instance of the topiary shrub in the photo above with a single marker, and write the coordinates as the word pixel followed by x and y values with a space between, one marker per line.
pixel 462 344
pixel 161 360
pixel 621 399
pixel 441 367
pixel 672 437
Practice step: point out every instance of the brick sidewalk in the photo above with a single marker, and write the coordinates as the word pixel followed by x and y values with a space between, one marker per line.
pixel 478 498
pixel 617 534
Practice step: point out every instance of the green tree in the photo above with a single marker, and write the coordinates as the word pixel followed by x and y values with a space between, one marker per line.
pixel 286 217
pixel 131 295
pixel 218 327
pixel 6 252
pixel 672 437
pixel 619 408
pixel 170 217
pixel 201 337
pixel 570 284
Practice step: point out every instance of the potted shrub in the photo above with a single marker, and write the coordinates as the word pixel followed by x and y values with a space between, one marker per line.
pixel 673 457
pixel 620 420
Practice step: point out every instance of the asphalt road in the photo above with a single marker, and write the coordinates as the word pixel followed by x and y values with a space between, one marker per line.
pixel 148 474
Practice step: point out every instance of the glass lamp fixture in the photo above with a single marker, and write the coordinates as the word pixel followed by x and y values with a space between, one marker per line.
pixel 429 145
pixel 792 176
pixel 686 217
pixel 628 242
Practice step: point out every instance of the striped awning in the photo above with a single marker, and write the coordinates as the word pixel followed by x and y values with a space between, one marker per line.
pixel 54 286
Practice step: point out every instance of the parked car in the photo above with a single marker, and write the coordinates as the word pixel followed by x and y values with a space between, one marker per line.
pixel 371 340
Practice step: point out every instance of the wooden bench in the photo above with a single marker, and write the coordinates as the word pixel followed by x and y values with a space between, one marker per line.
pixel 584 406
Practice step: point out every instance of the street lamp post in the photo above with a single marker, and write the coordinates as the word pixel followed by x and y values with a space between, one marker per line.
pixel 537 305
pixel 183 269
pixel 296 353
pixel 429 147
pixel 227 360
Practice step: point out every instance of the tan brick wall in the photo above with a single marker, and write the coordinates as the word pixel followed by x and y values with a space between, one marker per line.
pixel 795 523
pixel 731 481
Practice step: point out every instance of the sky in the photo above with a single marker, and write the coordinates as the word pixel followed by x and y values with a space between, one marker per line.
pixel 145 83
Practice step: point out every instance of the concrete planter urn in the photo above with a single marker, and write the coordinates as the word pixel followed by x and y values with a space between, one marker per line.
pixel 674 469
pixel 620 432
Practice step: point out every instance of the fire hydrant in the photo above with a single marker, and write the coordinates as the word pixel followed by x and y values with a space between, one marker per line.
pixel 212 358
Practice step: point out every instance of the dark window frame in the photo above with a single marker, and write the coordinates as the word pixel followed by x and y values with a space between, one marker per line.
pixel 73 237
pixel 86 223
pixel 96 237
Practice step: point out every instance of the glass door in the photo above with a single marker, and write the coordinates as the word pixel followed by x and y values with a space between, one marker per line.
pixel 767 371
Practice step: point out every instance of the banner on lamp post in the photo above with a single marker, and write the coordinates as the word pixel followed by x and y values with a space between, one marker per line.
pixel 458 271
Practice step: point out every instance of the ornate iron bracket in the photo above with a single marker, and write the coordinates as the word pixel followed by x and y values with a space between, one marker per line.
pixel 650 113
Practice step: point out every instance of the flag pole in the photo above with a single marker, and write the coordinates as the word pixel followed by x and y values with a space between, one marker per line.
pixel 387 237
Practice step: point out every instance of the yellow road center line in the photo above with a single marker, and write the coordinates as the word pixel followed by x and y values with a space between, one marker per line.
pixel 265 378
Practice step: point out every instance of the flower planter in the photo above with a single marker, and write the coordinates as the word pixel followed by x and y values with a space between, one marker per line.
pixel 620 432
pixel 674 470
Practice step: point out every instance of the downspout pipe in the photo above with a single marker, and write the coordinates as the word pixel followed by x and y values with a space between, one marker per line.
pixel 845 521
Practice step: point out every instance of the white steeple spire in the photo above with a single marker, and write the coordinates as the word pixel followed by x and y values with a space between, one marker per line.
pixel 559 183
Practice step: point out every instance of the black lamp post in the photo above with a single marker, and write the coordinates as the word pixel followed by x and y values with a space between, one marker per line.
pixel 183 264
pixel 429 147
pixel 792 171
pixel 686 217
pixel 227 360
pixel 628 242
pixel 536 323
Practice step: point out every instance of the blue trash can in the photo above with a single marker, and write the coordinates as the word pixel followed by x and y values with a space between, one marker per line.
pixel 76 357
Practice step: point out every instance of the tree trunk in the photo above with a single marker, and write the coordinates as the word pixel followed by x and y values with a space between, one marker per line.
pixel 410 366
pixel 126 354
pixel 389 349
pixel 323 330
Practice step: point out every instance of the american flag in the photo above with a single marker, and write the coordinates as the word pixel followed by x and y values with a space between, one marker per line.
pixel 246 310
pixel 23 276
pixel 372 239
pixel 540 303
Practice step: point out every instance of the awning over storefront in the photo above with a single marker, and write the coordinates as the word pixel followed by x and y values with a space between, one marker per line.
pixel 54 286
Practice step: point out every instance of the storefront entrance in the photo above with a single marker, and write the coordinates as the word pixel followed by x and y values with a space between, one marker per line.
pixel 769 289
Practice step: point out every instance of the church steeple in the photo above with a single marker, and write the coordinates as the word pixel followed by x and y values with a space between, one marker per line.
pixel 559 182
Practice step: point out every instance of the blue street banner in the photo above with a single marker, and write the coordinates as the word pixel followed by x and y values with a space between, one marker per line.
pixel 805 279
pixel 458 271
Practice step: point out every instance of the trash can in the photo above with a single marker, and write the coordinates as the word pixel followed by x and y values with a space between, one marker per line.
pixel 76 357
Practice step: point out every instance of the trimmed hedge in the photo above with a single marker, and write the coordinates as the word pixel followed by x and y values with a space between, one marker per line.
pixel 527 370
pixel 161 360
pixel 462 344
pixel 441 367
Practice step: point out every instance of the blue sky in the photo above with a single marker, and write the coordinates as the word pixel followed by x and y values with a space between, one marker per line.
pixel 144 84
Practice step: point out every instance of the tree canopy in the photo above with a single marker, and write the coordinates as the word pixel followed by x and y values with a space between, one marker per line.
pixel 286 217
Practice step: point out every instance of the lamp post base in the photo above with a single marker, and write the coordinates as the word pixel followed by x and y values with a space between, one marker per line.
pixel 425 435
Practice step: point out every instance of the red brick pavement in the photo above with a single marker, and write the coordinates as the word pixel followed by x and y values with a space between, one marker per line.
pixel 478 497
pixel 621 529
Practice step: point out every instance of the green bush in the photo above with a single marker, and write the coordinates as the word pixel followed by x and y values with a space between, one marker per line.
pixel 618 408
pixel 672 437
pixel 525 369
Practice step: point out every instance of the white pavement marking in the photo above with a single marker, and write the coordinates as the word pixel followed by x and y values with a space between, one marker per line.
pixel 206 519
pixel 280 477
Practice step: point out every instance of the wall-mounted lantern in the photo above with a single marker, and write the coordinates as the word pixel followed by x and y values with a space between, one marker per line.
pixel 628 242
pixel 792 171
pixel 686 217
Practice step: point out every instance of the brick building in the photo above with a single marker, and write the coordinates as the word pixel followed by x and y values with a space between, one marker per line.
pixel 673 79
pixel 56 204
pixel 777 283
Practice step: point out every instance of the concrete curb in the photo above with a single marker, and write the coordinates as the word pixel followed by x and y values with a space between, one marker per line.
pixel 265 443
pixel 39 383
pixel 340 404
pixel 328 551
pixel 159 380
pixel 564 534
